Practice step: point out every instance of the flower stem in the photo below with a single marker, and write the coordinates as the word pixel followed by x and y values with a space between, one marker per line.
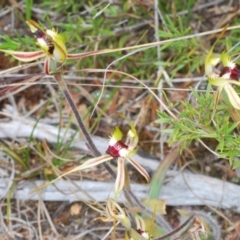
pixel 92 147
pixel 160 221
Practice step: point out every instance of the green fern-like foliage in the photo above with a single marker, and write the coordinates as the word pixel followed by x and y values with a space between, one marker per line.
pixel 198 120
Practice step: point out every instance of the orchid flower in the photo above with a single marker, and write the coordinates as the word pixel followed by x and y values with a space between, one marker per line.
pixel 118 150
pixel 52 46
pixel 229 74
pixel 121 151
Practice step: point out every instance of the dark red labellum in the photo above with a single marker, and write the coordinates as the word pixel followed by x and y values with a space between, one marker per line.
pixel 234 72
pixel 114 150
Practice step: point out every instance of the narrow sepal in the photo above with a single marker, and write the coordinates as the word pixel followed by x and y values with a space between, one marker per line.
pixel 25 56
pixel 226 60
pixel 139 168
pixel 85 54
pixel 218 81
pixel 211 61
pixel 119 183
pixel 88 164
pixel 132 134
pixel 232 96
pixel 34 26
pixel 94 161
pixel 47 66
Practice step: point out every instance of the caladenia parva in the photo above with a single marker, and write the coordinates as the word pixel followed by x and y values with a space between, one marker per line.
pixel 53 46
pixel 119 151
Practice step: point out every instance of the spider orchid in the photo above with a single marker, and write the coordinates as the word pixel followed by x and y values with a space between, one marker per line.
pixel 52 46
pixel 118 150
pixel 122 151
pixel 229 74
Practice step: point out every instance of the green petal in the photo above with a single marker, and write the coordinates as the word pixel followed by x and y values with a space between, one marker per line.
pixel 212 60
pixel 132 133
pixel 131 152
pixel 60 51
pixel 232 96
pixel 115 136
pixel 34 26
pixel 226 60
pixel 218 81
pixel 234 82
